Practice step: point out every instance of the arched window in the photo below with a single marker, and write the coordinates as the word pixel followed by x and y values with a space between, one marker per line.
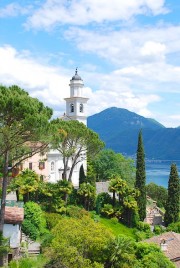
pixel 72 108
pixel 52 166
pixel 81 108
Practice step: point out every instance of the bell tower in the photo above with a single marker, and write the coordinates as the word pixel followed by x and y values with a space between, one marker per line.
pixel 76 105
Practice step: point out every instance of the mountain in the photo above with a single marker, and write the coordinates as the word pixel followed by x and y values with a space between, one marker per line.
pixel 119 129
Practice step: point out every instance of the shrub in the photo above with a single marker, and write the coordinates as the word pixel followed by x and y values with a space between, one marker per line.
pixel 143 231
pixel 30 229
pixel 76 212
pixel 114 220
pixel 101 200
pixel 139 235
pixel 52 219
pixel 107 211
pixel 175 227
pixel 143 226
pixel 142 249
pixel 46 240
pixel 158 229
pixel 34 224
pixel 36 262
pixel 73 198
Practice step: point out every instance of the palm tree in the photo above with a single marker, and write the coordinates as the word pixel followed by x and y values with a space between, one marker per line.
pixel 87 191
pixel 117 185
pixel 122 252
pixel 65 187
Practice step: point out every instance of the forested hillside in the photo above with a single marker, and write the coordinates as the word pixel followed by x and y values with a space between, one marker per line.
pixel 119 129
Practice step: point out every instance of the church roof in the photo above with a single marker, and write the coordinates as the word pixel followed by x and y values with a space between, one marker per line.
pixel 76 76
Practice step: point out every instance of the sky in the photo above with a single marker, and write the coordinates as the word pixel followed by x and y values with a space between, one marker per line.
pixel 127 53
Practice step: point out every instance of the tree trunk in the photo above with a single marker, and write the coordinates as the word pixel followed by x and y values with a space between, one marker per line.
pixel 3 200
pixel 71 172
pixel 114 198
pixel 65 163
pixel 17 195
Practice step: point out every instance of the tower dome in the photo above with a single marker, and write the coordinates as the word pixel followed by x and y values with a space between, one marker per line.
pixel 76 76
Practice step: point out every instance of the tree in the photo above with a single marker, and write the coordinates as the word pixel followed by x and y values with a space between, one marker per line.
pixel 151 256
pixel 24 121
pixel 117 186
pixel 88 193
pixel 101 200
pixel 34 223
pixel 51 195
pixel 74 141
pixel 82 176
pixel 25 183
pixel 80 242
pixel 122 252
pixel 65 188
pixel 126 197
pixel 140 183
pixel 173 202
pixel 157 193
pixel 108 164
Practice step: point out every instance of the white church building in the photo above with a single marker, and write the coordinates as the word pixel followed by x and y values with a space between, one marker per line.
pixel 52 168
pixel 76 109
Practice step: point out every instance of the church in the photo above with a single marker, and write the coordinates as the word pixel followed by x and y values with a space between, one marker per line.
pixel 50 165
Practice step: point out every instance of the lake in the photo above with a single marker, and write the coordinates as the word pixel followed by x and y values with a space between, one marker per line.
pixel 158 171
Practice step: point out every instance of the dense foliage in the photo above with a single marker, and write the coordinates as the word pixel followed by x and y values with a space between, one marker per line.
pixel 107 164
pixel 25 183
pixel 23 120
pixel 157 193
pixel 140 183
pixel 74 141
pixel 34 223
pixel 80 242
pixel 173 201
pixel 82 176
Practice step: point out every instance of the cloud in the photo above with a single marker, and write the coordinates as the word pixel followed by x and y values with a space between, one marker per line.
pixel 153 49
pixel 83 12
pixel 50 84
pixel 47 83
pixel 13 10
pixel 128 46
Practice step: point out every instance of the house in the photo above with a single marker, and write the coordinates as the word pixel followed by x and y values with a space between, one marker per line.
pixel 169 243
pixel 14 215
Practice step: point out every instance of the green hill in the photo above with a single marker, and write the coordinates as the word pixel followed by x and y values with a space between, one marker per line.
pixel 119 129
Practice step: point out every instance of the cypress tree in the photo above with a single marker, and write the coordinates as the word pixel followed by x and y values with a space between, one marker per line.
pixel 140 183
pixel 82 176
pixel 173 202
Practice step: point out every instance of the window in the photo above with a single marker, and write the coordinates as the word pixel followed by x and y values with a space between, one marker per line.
pixel 52 166
pixel 81 108
pixel 41 165
pixel 72 108
pixel 30 166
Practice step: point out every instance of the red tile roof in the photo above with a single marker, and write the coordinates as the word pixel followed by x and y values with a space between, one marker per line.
pixel 14 215
pixel 173 245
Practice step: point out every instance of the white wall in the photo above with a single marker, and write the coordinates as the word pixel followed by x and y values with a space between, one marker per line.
pixel 13 232
pixel 56 174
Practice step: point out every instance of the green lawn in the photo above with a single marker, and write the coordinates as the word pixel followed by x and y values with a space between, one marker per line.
pixel 116 228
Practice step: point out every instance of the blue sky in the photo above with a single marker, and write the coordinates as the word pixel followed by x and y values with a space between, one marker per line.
pixel 127 53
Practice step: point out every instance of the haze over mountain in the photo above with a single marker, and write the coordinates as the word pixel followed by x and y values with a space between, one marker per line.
pixel 119 129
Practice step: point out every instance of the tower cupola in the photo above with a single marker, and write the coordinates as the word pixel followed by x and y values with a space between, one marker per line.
pixel 76 105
